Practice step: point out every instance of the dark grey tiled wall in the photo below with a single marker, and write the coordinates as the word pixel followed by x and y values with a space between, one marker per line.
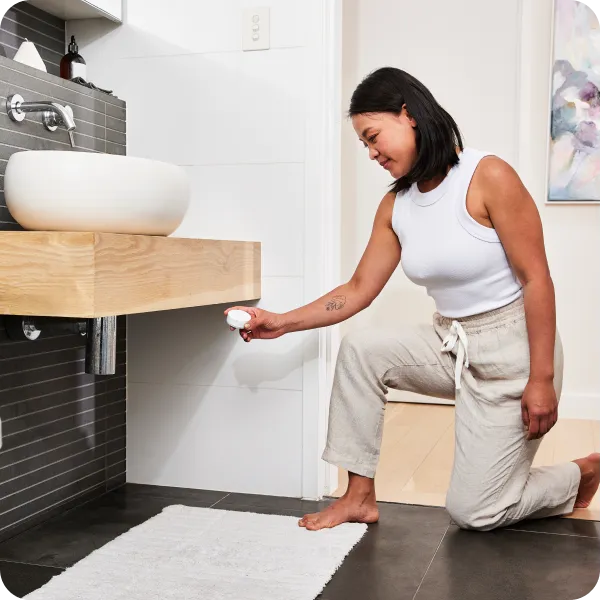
pixel 46 31
pixel 63 430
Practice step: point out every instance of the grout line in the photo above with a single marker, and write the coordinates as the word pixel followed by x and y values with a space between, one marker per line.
pixel 98 485
pixel 53 365
pixel 54 337
pixel 208 385
pixel 106 467
pixel 97 421
pixel 18 562
pixel 115 452
pixel 52 492
pixel 48 451
pixel 82 107
pixel 77 387
pixel 54 477
pixel 75 131
pixel 22 39
pixel 51 139
pixel 220 499
pixel 46 423
pixel 60 460
pixel 45 381
pixel 123 437
pixel 35 137
pixel 35 412
pixel 13 147
pixel 114 477
pixel 593 537
pixel 64 87
pixel 31 29
pixel 120 485
pixel 121 401
pixel 24 12
pixel 68 349
pixel 430 564
pixel 18 387
pixel 260 164
pixel 115 427
pixel 68 362
pixel 205 53
pixel 26 89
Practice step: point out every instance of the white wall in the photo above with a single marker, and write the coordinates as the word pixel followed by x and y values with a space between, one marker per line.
pixel 468 53
pixel 206 410
pixel 571 232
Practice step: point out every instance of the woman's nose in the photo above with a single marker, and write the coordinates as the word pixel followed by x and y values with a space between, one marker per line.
pixel 373 153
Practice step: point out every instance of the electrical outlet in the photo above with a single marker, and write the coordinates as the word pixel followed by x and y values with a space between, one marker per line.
pixel 255 29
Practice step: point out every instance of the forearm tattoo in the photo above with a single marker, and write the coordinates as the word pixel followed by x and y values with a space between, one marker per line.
pixel 336 303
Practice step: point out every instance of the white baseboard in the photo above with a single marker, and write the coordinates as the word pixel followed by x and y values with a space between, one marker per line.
pixel 579 406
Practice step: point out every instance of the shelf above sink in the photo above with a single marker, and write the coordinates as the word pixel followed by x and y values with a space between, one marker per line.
pixel 81 9
pixel 88 275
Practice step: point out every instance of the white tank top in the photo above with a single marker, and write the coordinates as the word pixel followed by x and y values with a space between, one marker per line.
pixel 461 263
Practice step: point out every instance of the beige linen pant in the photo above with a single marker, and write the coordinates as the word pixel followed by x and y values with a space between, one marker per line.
pixel 487 356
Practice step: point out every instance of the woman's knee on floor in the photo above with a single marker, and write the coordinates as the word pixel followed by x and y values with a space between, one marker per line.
pixel 469 514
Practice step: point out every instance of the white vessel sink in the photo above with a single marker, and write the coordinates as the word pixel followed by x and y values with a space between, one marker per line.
pixel 84 191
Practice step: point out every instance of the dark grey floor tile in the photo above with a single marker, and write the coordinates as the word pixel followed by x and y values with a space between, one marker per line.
pixel 390 560
pixel 262 510
pixel 274 502
pixel 560 526
pixel 29 522
pixel 511 565
pixel 20 579
pixel 67 539
pixel 174 493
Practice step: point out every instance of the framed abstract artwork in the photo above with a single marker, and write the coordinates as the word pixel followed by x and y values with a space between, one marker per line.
pixel 573 157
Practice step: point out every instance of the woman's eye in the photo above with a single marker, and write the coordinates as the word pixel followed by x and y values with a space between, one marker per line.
pixel 372 139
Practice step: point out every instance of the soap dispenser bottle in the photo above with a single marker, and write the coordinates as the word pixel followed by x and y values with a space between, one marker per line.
pixel 72 64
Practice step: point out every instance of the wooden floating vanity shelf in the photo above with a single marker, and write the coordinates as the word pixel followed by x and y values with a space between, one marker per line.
pixel 86 275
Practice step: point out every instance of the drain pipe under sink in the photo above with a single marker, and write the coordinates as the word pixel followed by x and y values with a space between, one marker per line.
pixel 101 333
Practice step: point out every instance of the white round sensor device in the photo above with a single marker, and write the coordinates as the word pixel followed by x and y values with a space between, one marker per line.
pixel 238 318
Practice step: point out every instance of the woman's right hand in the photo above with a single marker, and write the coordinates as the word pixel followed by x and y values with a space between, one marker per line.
pixel 263 325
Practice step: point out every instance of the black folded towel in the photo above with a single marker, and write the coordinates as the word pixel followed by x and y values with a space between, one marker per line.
pixel 90 85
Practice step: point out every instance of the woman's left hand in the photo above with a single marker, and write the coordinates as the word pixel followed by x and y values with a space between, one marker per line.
pixel 539 408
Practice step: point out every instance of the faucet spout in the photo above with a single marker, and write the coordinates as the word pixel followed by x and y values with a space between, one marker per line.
pixel 64 114
pixel 55 114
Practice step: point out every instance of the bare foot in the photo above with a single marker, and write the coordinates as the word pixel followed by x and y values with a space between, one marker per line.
pixel 344 510
pixel 589 482
pixel 351 508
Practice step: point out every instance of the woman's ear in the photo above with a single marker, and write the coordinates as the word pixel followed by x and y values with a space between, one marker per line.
pixel 412 121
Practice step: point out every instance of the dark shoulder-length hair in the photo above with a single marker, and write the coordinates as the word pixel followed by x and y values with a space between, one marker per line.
pixel 437 136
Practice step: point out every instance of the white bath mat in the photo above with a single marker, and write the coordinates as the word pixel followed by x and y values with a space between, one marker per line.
pixel 189 553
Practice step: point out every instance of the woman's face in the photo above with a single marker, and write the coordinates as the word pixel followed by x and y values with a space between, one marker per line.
pixel 390 139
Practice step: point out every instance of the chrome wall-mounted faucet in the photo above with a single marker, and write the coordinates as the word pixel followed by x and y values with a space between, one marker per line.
pixel 53 113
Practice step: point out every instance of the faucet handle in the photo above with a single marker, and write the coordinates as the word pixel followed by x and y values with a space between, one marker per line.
pixel 52 119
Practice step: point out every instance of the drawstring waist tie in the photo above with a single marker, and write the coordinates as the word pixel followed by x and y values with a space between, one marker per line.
pixel 457 337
